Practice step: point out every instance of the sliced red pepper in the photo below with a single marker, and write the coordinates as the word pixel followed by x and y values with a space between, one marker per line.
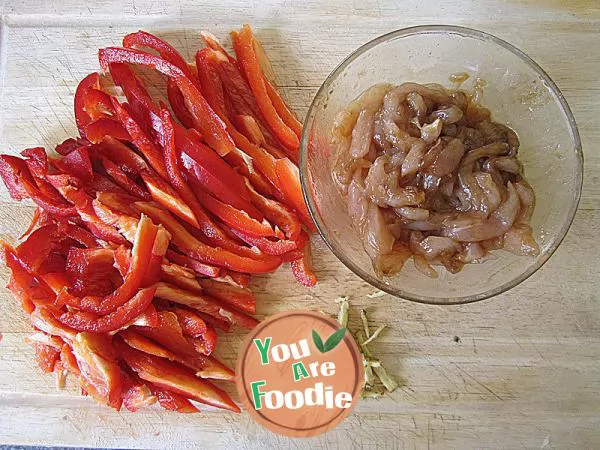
pixel 164 49
pixel 206 304
pixel 136 394
pixel 236 219
pixel 77 163
pixel 97 105
pixel 91 271
pixel 238 297
pixel 82 118
pixel 165 195
pixel 69 362
pixel 166 340
pixel 194 248
pixel 78 234
pixel 271 247
pixel 172 401
pixel 37 161
pixel 153 265
pixel 191 324
pixel 179 276
pixel 302 269
pixel 239 279
pixel 243 44
pixel 100 374
pixel 122 180
pixel 207 342
pixel 102 183
pixel 46 357
pixel 282 109
pixel 119 153
pixel 195 265
pixel 177 102
pixel 99 129
pixel 209 124
pixel 277 213
pixel 211 172
pixel 289 185
pixel 26 285
pixel 35 249
pixel 68 145
pixel 121 316
pixel 141 254
pixel 211 41
pixel 141 139
pixel 174 377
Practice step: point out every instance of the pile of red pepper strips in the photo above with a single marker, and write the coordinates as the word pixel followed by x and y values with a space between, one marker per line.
pixel 150 223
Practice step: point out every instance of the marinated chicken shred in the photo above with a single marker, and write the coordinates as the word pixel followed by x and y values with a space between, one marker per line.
pixel 428 174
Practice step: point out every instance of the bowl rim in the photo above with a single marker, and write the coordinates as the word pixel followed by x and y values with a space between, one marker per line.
pixel 471 33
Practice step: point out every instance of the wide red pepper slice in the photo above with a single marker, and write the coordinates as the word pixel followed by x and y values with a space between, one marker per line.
pixel 191 324
pixel 243 44
pixel 91 271
pixel 97 105
pixel 128 161
pixel 100 374
pixel 209 124
pixel 77 163
pixel 136 394
pixel 174 377
pixel 207 342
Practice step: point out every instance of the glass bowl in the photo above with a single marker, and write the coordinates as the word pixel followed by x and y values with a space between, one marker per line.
pixel 518 93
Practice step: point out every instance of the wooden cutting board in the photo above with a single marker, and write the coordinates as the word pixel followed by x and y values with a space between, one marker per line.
pixel 520 370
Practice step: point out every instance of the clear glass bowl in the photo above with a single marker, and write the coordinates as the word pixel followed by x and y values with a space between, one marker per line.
pixel 518 93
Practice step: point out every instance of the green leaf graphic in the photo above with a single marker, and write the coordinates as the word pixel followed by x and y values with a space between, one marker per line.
pixel 334 340
pixel 318 341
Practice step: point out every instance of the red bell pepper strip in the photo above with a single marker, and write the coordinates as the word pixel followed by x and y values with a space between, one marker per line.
pixel 164 49
pixel 101 183
pixel 136 394
pixel 289 185
pixel 207 342
pixel 37 247
pixel 172 401
pixel 243 44
pixel 208 123
pixel 97 105
pixel 25 284
pixel 211 41
pixel 122 315
pixel 119 153
pixel 164 194
pixel 195 265
pixel 179 276
pixel 191 324
pixel 205 304
pixel 282 109
pixel 137 95
pixel 141 139
pixel 142 253
pixel 68 145
pixel 236 219
pixel 90 271
pixel 177 102
pixel 239 279
pixel 77 163
pixel 166 340
pixel 277 213
pixel 100 374
pixel 37 161
pixel 238 297
pixel 97 130
pixel 154 264
pixel 302 269
pixel 78 234
pixel 271 247
pixel 174 377
pixel 194 248
pixel 122 180
pixel 68 359
pixel 82 118
pixel 46 357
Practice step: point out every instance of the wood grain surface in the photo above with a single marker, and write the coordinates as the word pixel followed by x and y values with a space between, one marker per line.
pixel 521 370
